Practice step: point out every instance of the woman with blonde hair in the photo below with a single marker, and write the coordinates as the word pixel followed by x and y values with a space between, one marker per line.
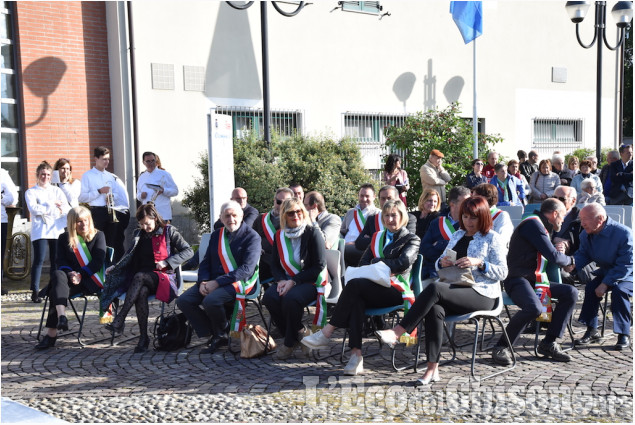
pixel 81 254
pixel 429 206
pixel 299 258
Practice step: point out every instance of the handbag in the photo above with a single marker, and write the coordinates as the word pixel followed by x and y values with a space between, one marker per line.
pixel 171 331
pixel 253 340
pixel 456 276
pixel 378 273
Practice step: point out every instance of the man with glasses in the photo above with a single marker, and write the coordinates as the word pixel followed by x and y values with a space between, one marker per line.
pixel 107 199
pixel 266 226
pixel 250 214
pixel 530 242
pixel 433 175
pixel 156 185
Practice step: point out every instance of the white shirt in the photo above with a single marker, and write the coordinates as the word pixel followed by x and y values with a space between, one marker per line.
pixel 161 178
pixel 93 180
pixel 352 232
pixel 47 221
pixel 72 191
pixel 9 193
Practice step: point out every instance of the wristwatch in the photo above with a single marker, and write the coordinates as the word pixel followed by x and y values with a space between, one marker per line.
pixel 481 266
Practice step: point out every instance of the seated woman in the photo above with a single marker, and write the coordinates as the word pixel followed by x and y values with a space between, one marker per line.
pixel 81 252
pixel 585 173
pixel 397 248
pixel 590 193
pixel 475 177
pixel 477 247
pixel 146 269
pixel 510 190
pixel 543 182
pixel 429 206
pixel 299 257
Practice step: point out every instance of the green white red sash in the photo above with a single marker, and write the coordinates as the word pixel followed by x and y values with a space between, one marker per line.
pixel 379 224
pixel 242 288
pixel 377 244
pixel 446 227
pixel 82 254
pixel 541 287
pixel 360 220
pixel 288 263
pixel 267 227
pixel 495 212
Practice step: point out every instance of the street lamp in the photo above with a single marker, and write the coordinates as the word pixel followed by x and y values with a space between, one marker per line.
pixel 623 14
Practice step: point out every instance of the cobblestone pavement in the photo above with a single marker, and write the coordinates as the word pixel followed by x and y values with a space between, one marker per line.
pixel 103 383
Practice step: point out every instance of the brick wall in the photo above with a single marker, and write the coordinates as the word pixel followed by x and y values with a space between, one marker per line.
pixel 65 82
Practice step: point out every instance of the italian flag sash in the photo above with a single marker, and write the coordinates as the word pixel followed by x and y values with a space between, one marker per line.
pixel 360 220
pixel 495 212
pixel 267 227
pixel 446 228
pixel 379 224
pixel 242 288
pixel 82 254
pixel 288 263
pixel 398 282
pixel 541 287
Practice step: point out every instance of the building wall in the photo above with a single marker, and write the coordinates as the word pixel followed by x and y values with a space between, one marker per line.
pixel 327 62
pixel 65 82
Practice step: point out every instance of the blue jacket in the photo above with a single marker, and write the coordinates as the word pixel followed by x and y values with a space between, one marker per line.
pixel 515 191
pixel 612 251
pixel 245 248
pixel 432 246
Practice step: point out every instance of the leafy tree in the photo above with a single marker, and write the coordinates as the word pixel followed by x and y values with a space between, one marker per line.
pixel 334 168
pixel 438 129
pixel 584 152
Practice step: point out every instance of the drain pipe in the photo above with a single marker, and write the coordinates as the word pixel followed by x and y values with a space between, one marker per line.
pixel 133 94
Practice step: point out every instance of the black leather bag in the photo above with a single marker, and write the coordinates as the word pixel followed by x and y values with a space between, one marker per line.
pixel 171 331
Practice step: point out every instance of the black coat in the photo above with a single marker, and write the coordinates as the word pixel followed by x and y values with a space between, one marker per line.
pixel 363 240
pixel 312 254
pixel 399 255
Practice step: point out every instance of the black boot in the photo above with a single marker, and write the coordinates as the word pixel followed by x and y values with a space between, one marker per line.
pixel 47 342
pixel 35 297
pixel 62 323
pixel 143 344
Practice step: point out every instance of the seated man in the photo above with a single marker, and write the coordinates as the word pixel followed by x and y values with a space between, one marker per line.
pixel 501 221
pixel 440 231
pixel 328 223
pixel 530 241
pixel 229 263
pixel 355 220
pixel 266 226
pixel 610 245
pixel 567 239
pixel 374 223
pixel 250 214
pixel 621 177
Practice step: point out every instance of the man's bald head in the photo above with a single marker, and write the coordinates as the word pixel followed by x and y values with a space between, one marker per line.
pixel 240 195
pixel 567 193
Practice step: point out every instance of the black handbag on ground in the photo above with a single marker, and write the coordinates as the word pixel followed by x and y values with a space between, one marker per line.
pixel 171 331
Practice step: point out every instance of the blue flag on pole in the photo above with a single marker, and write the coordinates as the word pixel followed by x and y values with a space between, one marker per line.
pixel 468 16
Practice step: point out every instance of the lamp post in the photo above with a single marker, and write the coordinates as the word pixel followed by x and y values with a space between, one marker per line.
pixel 623 14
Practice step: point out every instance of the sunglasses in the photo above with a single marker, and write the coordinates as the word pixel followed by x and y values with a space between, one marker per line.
pixel 279 202
pixel 295 212
pixel 560 198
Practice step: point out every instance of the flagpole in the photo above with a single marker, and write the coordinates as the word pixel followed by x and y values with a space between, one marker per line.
pixel 475 118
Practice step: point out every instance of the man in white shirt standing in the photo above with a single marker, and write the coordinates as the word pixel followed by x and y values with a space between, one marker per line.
pixel 156 185
pixel 111 219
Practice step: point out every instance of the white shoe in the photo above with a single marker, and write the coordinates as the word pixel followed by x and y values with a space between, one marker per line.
pixel 387 337
pixel 355 365
pixel 316 341
pixel 434 378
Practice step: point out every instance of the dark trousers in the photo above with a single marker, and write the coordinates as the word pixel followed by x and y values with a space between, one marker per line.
pixel 39 250
pixel 287 311
pixel 620 305
pixel 357 296
pixel 437 301
pixel 4 239
pixel 522 293
pixel 114 232
pixel 211 319
pixel 60 289
pixel 352 255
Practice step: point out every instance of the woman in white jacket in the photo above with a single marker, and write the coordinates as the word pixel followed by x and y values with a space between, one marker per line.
pixel 71 186
pixel 48 207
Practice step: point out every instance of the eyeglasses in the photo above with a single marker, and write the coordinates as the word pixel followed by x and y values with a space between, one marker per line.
pixel 299 213
pixel 279 201
pixel 560 198
pixel 150 161
pixel 478 163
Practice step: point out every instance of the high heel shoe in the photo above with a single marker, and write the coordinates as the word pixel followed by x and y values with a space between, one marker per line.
pixel 62 323
pixel 143 344
pixel 35 297
pixel 387 337
pixel 433 378
pixel 47 342
pixel 117 330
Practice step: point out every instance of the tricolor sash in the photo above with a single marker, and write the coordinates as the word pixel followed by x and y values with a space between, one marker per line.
pixel 541 286
pixel 242 287
pixel 495 212
pixel 379 224
pixel 267 227
pixel 398 282
pixel 360 220
pixel 82 254
pixel 288 263
pixel 446 228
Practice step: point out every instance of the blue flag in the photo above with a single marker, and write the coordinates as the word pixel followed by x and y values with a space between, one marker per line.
pixel 468 16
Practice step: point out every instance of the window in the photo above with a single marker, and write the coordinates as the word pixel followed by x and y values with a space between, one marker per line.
pixel 248 120
pixel 557 133
pixel 372 7
pixel 10 111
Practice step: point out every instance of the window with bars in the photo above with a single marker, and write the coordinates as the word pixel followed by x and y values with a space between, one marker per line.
pixel 563 133
pixel 372 7
pixel 10 112
pixel 246 121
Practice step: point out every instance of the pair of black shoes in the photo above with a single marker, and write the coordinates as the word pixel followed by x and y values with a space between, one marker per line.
pixel 592 336
pixel 49 341
pixel 143 344
pixel 215 343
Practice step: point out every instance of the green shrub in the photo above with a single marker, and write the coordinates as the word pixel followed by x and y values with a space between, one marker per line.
pixel 334 168
pixel 584 152
pixel 437 129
